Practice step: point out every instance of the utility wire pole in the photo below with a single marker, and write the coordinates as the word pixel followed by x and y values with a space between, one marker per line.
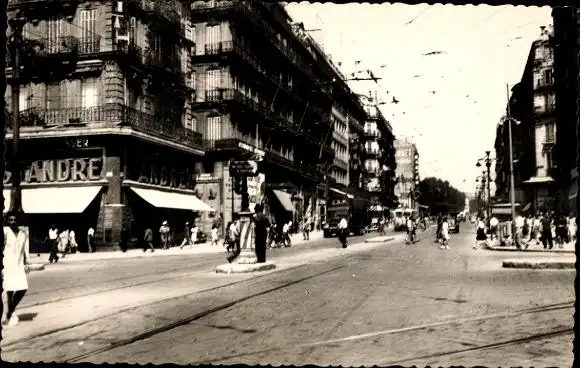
pixel 17 25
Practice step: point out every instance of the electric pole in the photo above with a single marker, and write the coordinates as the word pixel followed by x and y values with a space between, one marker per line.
pixel 16 25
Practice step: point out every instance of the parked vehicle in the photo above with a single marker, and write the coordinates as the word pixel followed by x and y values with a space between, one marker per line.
pixel 453 222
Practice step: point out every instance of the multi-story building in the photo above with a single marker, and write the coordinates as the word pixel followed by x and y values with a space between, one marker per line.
pixel 407 172
pixel 544 141
pixel 380 163
pixel 263 85
pixel 105 100
pixel 566 41
pixel 524 164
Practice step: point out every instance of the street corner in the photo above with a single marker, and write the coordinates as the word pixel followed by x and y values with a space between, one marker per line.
pixel 540 264
pixel 380 239
pixel 230 268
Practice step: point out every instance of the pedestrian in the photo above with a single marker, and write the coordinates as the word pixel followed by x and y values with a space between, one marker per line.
pixel 90 240
pixel 124 239
pixel 306 230
pixel 480 237
pixel 164 235
pixel 186 236
pixel 214 235
pixel 272 235
pixel 572 228
pixel 16 260
pixel 445 234
pixel 547 238
pixel 72 239
pixel 493 224
pixel 537 229
pixel 194 233
pixel 236 232
pixel 286 234
pixel 343 232
pixel 148 240
pixel 53 243
pixel 439 226
pixel 261 225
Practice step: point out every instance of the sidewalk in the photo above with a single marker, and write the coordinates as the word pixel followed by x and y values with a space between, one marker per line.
pixel 566 248
pixel 543 263
pixel 38 263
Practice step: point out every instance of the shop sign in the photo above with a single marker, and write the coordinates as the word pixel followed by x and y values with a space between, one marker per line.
pixel 167 176
pixel 64 170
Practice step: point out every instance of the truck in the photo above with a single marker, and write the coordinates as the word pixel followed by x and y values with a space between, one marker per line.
pixel 356 212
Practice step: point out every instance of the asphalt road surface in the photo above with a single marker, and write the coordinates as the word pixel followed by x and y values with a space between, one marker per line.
pixel 392 304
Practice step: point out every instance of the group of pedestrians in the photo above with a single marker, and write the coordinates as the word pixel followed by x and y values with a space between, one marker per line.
pixel 64 242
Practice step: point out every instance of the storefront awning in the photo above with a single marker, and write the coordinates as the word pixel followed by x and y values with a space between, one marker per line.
pixel 341 192
pixel 54 199
pixel 285 199
pixel 177 201
pixel 539 180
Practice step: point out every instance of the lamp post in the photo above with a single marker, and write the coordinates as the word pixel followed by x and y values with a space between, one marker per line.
pixel 509 119
pixel 487 174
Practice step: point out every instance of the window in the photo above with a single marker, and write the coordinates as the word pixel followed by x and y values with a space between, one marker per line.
pixel 55 96
pixel 548 160
pixel 213 34
pixel 56 28
pixel 550 134
pixel 88 29
pixel 213 77
pixel 548 76
pixel 89 93
pixel 24 97
pixel 214 128
pixel 191 124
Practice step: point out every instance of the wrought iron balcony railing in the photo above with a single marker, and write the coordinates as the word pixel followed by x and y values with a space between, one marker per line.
pixel 110 115
pixel 164 8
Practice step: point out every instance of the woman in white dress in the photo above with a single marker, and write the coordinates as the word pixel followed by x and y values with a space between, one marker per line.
pixel 16 258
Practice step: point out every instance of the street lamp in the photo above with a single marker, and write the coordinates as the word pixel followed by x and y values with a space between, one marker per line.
pixel 487 161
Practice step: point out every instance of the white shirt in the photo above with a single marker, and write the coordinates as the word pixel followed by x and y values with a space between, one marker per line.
pixel 481 225
pixel 53 234
pixel 445 228
pixel 91 232
pixel 343 224
pixel 285 228
pixel 519 222
pixel 214 233
pixel 493 221
pixel 194 231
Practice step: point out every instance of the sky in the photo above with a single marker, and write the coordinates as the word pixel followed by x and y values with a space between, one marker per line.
pixel 450 102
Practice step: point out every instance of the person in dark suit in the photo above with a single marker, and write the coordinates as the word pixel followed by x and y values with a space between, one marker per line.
pixel 261 225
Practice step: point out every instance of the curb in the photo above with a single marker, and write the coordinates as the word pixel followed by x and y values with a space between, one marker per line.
pixel 244 268
pixel 380 240
pixel 539 265
pixel 502 249
pixel 36 266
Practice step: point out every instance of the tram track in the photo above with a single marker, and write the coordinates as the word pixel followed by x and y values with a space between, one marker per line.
pixel 419 328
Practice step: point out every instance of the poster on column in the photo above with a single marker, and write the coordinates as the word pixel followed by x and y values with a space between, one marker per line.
pixel 256 189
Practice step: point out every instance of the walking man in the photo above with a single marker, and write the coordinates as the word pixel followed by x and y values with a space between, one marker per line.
pixel 261 224
pixel 343 232
pixel 148 240
pixel 547 239
pixel 16 260
pixel 164 234
pixel 235 234
pixel 124 239
pixel 445 234
pixel 186 236
pixel 90 240
pixel 53 242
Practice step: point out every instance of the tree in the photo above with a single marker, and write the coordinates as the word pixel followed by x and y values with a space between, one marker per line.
pixel 440 196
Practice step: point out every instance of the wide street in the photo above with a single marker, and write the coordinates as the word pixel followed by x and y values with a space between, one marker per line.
pixel 373 303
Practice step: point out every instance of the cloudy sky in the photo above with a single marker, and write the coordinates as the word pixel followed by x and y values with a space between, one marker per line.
pixel 449 102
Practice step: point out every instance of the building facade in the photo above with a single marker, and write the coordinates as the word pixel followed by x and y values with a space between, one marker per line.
pixel 544 141
pixel 379 154
pixel 105 113
pixel 407 172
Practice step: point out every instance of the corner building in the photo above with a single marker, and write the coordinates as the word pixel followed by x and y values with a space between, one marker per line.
pixel 105 112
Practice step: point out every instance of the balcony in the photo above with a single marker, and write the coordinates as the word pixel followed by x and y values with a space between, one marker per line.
pixel 67 46
pixel 162 9
pixel 543 83
pixel 544 110
pixel 371 134
pixel 42 4
pixel 372 152
pixel 204 10
pixel 159 60
pixel 111 116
